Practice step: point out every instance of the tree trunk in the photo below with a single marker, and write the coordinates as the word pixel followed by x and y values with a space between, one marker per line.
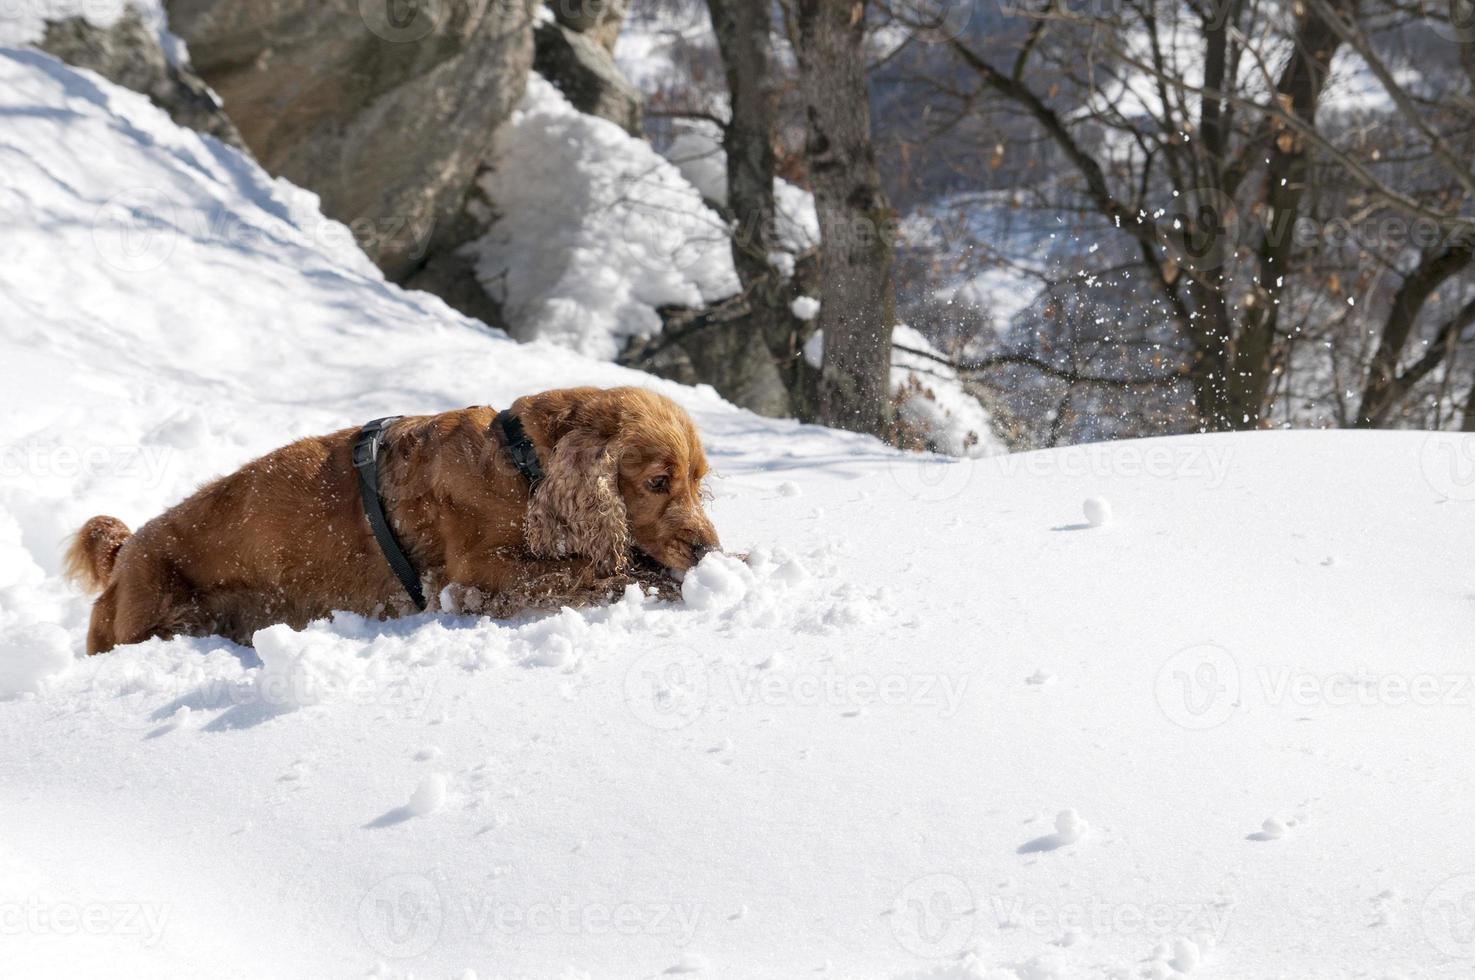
pixel 744 31
pixel 857 308
pixel 1299 89
pixel 1383 390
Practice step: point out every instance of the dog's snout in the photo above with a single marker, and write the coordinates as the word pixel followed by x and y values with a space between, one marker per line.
pixel 699 551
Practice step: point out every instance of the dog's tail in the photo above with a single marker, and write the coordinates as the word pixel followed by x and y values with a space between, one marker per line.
pixel 92 552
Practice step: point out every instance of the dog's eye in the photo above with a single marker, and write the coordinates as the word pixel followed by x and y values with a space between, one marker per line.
pixel 659 484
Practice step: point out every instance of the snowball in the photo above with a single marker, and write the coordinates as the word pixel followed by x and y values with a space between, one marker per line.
pixel 718 582
pixel 30 653
pixel 805 307
pixel 1186 956
pixel 1273 829
pixel 429 796
pixel 1069 826
pixel 1097 511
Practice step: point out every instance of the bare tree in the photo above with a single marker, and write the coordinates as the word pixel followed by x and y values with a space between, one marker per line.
pixel 857 309
pixel 1196 132
pixel 744 31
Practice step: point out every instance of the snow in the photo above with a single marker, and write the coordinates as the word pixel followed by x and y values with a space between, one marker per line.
pixel 655 39
pixel 23 22
pixel 932 400
pixel 593 231
pixel 805 307
pixel 936 402
pixel 696 151
pixel 831 760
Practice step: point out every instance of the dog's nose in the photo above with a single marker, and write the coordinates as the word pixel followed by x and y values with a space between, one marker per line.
pixel 698 552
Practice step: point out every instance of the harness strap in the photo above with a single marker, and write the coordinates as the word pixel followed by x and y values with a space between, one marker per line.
pixel 524 454
pixel 366 461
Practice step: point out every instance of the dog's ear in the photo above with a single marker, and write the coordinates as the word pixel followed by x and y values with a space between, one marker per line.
pixel 577 509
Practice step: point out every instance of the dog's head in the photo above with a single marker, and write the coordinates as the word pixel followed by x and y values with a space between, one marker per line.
pixel 625 472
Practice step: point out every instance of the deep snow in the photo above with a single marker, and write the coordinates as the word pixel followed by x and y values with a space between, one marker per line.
pixel 940 725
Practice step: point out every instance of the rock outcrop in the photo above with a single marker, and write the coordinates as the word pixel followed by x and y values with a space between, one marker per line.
pixel 129 53
pixel 598 19
pixel 585 72
pixel 385 110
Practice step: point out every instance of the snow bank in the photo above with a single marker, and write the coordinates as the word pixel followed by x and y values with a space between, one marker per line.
pixel 932 400
pixel 593 230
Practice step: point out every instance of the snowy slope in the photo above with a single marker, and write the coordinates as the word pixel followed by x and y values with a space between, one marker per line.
pixel 850 759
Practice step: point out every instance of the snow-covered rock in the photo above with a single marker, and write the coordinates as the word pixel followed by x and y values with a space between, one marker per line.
pixel 593 231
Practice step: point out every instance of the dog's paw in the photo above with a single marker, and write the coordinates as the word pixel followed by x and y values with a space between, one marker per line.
pixel 463 600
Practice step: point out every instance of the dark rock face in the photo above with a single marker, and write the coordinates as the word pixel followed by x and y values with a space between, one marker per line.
pixel 128 54
pixel 585 72
pixel 384 108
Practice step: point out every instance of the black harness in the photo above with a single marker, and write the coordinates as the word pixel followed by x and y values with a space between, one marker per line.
pixel 524 454
pixel 366 446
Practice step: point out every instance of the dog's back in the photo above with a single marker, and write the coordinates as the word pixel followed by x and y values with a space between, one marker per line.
pixel 240 553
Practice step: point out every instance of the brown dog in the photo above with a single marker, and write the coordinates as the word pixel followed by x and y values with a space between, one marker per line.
pixel 285 540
